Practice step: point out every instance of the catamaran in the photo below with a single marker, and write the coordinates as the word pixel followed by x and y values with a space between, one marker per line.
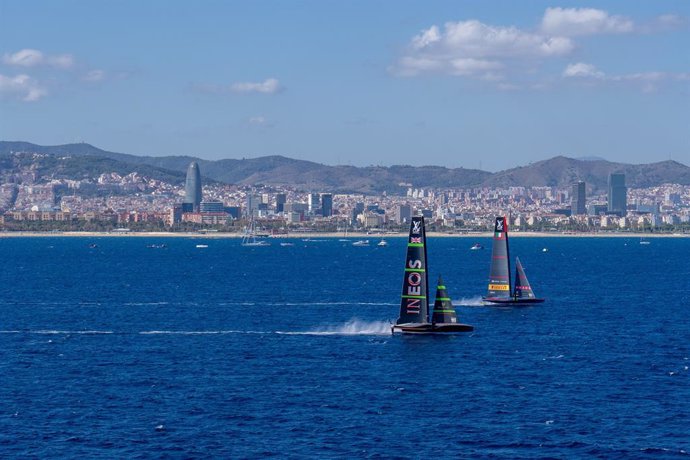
pixel 501 290
pixel 414 305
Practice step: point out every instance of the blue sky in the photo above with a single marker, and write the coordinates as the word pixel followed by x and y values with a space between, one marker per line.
pixel 490 84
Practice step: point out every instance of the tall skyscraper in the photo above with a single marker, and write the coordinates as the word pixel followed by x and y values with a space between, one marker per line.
pixel 326 204
pixel 403 213
pixel 578 200
pixel 192 186
pixel 618 200
pixel 281 199
pixel 253 202
pixel 313 201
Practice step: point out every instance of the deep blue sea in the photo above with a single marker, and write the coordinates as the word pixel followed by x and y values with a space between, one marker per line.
pixel 126 351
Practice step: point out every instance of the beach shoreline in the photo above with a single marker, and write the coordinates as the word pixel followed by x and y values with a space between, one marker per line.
pixel 331 235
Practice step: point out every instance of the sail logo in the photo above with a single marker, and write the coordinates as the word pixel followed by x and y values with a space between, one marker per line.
pixel 416 226
pixel 499 224
pixel 413 306
pixel 414 288
pixel 499 287
pixel 416 240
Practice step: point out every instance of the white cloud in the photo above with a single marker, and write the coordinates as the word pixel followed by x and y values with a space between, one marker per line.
pixel 474 49
pixel 513 57
pixel 582 69
pixel 426 38
pixel 469 66
pixel 33 58
pixel 94 75
pixel 21 87
pixel 409 66
pixel 62 61
pixel 268 86
pixel 648 80
pixel 40 70
pixel 24 58
pixel 259 121
pixel 475 39
pixel 583 21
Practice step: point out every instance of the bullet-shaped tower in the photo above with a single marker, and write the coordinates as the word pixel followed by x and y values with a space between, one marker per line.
pixel 192 186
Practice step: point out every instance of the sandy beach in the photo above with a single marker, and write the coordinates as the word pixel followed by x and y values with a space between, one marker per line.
pixel 350 235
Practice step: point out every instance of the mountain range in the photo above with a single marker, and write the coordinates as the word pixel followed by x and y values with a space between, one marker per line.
pixel 79 160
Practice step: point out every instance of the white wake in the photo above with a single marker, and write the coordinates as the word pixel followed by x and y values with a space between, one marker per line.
pixel 475 301
pixel 353 327
pixel 207 332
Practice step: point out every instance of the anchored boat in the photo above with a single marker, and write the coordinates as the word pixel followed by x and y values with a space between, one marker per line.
pixel 414 305
pixel 501 290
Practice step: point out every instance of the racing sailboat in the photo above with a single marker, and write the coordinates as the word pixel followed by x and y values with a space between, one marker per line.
pixel 445 318
pixel 414 304
pixel 501 290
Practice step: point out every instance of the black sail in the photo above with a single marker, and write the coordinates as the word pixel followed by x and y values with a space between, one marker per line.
pixel 414 305
pixel 522 288
pixel 443 306
pixel 499 276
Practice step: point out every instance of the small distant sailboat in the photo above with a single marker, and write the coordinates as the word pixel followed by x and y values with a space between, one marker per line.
pixel 414 305
pixel 501 291
pixel 201 246
pixel 476 247
pixel 361 243
pixel 382 243
pixel 250 239
pixel 644 241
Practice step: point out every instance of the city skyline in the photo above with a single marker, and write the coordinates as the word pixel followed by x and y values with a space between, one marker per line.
pixel 30 199
pixel 478 85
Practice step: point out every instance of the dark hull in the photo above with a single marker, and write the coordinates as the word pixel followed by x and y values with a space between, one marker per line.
pixel 510 302
pixel 428 328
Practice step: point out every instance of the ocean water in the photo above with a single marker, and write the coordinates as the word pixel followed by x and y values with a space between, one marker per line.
pixel 133 352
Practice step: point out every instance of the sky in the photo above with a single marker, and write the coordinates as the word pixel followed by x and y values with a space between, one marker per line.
pixel 475 84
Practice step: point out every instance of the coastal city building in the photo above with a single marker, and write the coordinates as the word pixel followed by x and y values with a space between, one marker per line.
pixel 192 196
pixel 403 213
pixel 281 199
pixel 326 204
pixel 578 203
pixel 314 202
pixel 617 197
pixel 112 200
